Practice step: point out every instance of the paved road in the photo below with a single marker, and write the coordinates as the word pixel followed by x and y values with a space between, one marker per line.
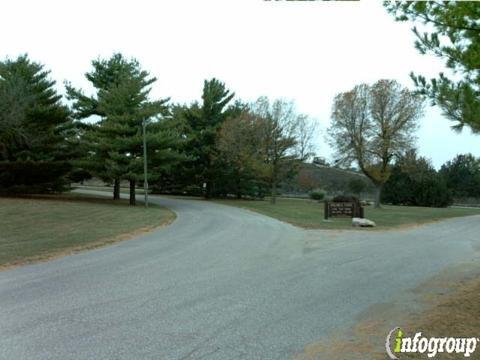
pixel 219 283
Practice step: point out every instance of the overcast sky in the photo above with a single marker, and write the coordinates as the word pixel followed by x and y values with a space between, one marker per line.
pixel 306 51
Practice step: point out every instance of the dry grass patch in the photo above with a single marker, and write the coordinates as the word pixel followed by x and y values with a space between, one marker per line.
pixel 445 307
pixel 38 228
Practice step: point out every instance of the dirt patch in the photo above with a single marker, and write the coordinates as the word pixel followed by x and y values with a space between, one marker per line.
pixel 446 305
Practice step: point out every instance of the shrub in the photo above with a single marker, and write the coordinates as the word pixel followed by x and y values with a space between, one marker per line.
pixel 415 182
pixel 317 195
pixel 345 198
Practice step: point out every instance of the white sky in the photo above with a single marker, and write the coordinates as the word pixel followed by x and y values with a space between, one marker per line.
pixel 306 51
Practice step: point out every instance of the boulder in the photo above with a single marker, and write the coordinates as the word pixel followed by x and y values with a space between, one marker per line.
pixel 363 222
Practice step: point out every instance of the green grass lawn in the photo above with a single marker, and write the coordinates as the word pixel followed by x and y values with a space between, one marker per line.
pixel 42 227
pixel 309 213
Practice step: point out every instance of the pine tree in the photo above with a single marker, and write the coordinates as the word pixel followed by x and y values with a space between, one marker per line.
pixel 452 33
pixel 204 121
pixel 105 74
pixel 123 105
pixel 126 107
pixel 35 126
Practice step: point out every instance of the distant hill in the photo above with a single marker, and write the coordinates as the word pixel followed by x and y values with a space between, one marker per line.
pixel 331 179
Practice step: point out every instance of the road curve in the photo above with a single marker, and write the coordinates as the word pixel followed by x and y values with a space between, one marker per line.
pixel 218 283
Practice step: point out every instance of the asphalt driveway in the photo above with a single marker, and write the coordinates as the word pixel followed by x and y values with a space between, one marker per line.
pixel 219 283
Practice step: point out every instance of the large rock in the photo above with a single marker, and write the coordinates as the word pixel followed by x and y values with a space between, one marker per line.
pixel 363 222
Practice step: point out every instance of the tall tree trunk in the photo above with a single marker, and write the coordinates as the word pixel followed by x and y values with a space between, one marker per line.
pixel 378 195
pixel 116 189
pixel 132 193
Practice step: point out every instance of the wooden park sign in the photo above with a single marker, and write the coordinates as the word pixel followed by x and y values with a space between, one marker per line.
pixel 343 209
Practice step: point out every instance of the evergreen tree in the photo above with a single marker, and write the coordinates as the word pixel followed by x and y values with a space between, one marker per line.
pixel 178 178
pixel 203 122
pixel 414 181
pixel 462 175
pixel 106 74
pixel 35 126
pixel 116 141
pixel 126 108
pixel 452 33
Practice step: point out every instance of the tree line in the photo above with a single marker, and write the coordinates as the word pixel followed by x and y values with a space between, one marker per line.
pixel 415 182
pixel 218 146
pixel 223 146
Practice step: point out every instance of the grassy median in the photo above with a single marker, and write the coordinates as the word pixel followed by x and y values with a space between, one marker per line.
pixel 309 214
pixel 39 228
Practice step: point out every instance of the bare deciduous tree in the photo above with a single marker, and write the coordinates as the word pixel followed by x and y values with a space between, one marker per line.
pixel 265 143
pixel 306 130
pixel 279 127
pixel 373 124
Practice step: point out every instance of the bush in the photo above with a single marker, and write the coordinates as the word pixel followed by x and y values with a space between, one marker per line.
pixel 414 182
pixel 317 195
pixel 345 198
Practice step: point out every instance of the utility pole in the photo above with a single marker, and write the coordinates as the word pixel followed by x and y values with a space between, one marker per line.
pixel 145 181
